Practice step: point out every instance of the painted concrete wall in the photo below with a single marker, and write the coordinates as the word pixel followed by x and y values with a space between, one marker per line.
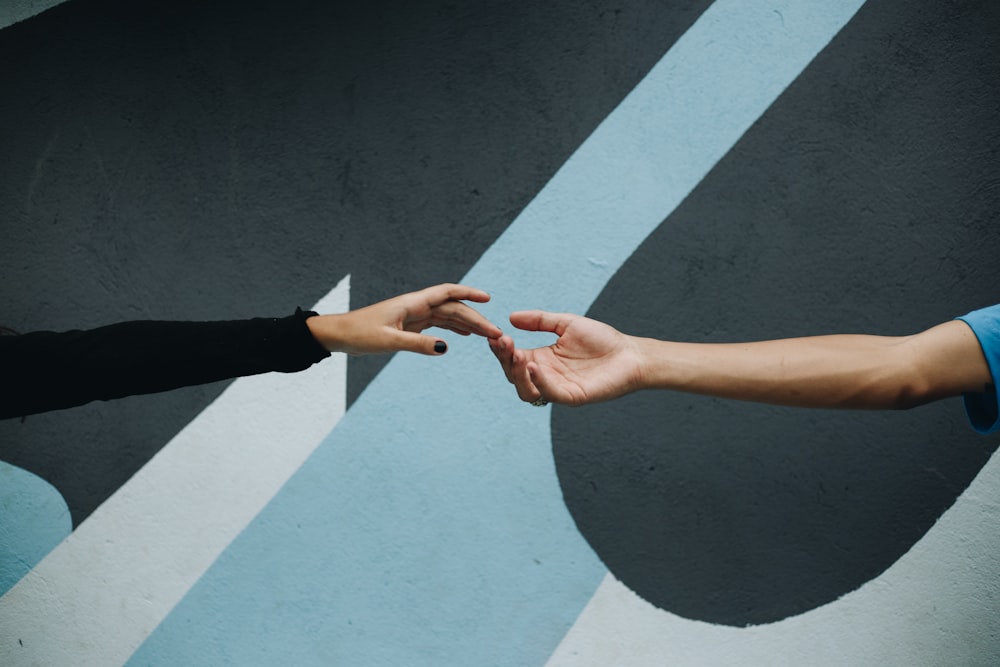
pixel 698 171
pixel 12 11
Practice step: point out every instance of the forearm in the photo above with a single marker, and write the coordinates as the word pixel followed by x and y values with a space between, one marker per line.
pixel 48 371
pixel 842 371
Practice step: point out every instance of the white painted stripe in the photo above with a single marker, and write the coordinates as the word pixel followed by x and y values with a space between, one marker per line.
pixel 97 596
pixel 916 613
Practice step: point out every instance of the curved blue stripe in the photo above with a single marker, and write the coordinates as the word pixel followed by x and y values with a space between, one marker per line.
pixel 34 519
pixel 428 528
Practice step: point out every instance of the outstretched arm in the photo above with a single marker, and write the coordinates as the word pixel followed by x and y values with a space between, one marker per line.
pixel 395 324
pixel 48 371
pixel 593 362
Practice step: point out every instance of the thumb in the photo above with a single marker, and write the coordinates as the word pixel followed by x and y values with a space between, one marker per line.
pixel 407 341
pixel 541 320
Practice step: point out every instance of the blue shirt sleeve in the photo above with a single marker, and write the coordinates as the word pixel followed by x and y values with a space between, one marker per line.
pixel 983 407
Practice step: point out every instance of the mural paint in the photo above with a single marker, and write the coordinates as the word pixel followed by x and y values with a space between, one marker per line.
pixel 358 560
pixel 933 606
pixel 144 548
pixel 176 160
pixel 730 243
pixel 33 520
pixel 12 11
pixel 120 232
pixel 799 507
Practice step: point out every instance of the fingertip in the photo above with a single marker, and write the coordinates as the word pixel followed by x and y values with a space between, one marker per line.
pixel 440 347
pixel 526 320
pixel 467 293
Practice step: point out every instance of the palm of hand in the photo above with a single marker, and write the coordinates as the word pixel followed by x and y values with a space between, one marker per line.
pixel 590 362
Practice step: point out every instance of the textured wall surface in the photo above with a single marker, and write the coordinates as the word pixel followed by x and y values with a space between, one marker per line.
pixel 688 170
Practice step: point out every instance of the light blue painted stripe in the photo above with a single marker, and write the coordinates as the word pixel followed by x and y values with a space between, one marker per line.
pixel 34 518
pixel 651 152
pixel 428 528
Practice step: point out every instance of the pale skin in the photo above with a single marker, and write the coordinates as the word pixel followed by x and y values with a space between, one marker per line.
pixel 395 325
pixel 592 361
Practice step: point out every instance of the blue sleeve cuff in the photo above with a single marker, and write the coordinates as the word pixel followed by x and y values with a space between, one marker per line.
pixel 982 407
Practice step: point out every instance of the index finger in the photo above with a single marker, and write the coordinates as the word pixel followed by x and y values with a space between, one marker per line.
pixel 462 316
pixel 438 294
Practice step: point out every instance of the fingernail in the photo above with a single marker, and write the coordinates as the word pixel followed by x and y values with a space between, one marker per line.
pixel 440 347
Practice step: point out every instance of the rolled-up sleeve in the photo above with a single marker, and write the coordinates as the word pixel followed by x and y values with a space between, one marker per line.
pixel 982 407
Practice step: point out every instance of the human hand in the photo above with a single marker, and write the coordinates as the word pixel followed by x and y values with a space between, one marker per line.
pixel 395 324
pixel 590 362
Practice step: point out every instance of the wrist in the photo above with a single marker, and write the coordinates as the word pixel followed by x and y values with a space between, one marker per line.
pixel 646 370
pixel 654 366
pixel 328 332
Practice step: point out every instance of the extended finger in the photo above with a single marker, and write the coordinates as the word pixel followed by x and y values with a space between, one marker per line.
pixel 519 375
pixel 503 349
pixel 438 294
pixel 460 332
pixel 454 314
pixel 541 320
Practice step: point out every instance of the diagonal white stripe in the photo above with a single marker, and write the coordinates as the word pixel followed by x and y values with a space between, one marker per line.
pixel 97 596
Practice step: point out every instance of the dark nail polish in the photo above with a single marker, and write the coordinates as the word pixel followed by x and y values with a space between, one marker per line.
pixel 440 347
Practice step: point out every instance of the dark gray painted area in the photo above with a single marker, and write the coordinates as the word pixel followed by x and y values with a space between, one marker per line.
pixel 225 159
pixel 865 200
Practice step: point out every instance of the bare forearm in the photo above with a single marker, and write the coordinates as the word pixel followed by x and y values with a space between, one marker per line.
pixel 845 371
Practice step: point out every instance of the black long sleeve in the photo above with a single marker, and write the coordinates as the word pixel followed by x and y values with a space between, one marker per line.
pixel 45 370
